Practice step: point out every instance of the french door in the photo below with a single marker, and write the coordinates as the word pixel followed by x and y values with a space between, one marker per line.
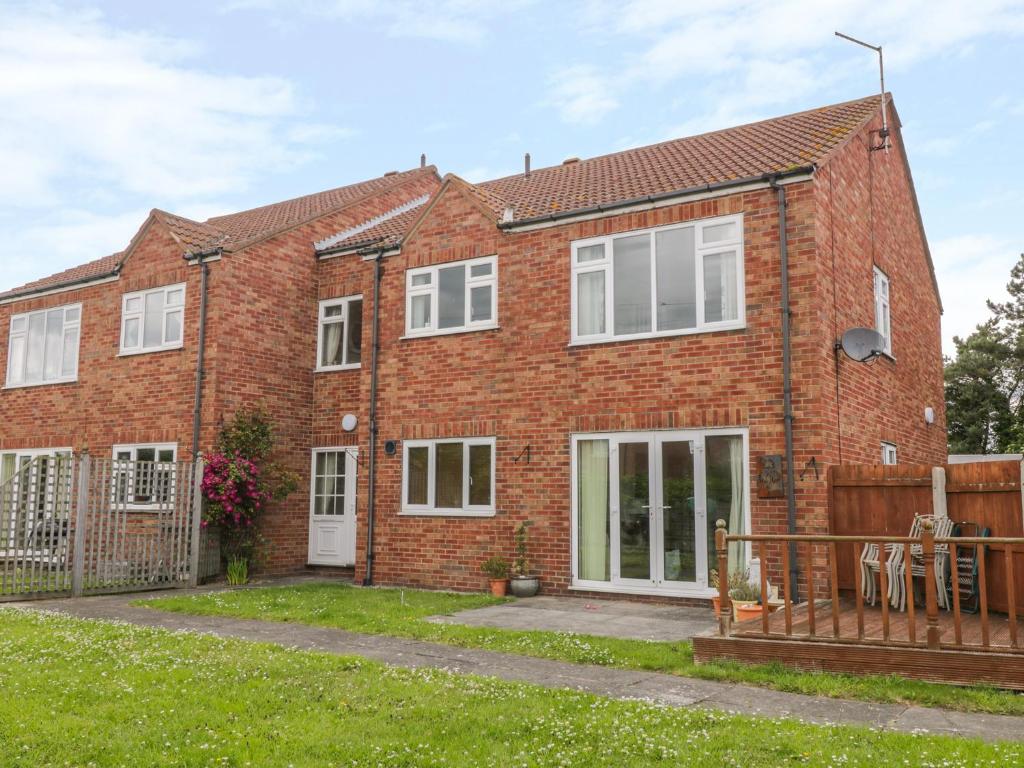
pixel 641 503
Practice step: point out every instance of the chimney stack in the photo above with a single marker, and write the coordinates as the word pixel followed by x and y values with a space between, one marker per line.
pixel 423 160
pixel 527 163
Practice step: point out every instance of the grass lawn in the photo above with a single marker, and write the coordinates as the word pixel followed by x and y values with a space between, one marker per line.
pixel 401 613
pixel 90 693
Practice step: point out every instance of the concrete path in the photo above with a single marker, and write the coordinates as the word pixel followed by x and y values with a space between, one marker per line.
pixel 605 618
pixel 617 683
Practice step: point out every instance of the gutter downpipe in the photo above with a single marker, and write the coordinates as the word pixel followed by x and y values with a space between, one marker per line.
pixel 787 385
pixel 201 353
pixel 378 273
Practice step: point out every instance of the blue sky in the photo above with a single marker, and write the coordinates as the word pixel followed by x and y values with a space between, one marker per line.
pixel 108 109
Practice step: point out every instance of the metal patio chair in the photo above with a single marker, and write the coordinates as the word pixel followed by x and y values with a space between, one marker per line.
pixel 895 565
pixel 965 577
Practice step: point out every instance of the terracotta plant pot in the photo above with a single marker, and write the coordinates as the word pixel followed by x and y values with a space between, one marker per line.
pixel 746 610
pixel 716 601
pixel 499 587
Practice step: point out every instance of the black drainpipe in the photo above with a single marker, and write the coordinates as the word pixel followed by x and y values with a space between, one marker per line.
pixel 201 353
pixel 787 387
pixel 378 273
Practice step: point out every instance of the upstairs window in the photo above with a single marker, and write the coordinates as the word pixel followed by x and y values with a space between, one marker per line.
pixel 452 297
pixel 145 475
pixel 152 320
pixel 659 282
pixel 448 477
pixel 883 318
pixel 43 346
pixel 340 334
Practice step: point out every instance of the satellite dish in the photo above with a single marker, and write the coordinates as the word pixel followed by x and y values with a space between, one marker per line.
pixel 862 344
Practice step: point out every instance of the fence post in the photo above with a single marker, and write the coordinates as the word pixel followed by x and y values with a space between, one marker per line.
pixel 724 605
pixel 930 598
pixel 81 515
pixel 939 492
pixel 197 516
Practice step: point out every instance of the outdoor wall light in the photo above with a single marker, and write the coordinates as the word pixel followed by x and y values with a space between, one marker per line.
pixel 929 415
pixel 348 422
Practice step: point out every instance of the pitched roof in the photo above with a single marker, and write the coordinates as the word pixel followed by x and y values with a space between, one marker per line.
pixel 233 231
pixel 769 146
pixel 92 270
pixel 257 223
pixel 384 230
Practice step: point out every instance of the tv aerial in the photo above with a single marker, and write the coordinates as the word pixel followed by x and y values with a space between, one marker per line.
pixel 884 133
pixel 862 344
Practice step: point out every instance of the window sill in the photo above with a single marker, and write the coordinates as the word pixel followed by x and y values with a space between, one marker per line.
pixel 447 513
pixel 738 326
pixel 449 332
pixel 41 383
pixel 154 350
pixel 333 368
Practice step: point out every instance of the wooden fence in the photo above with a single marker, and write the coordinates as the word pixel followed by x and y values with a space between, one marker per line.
pixel 882 501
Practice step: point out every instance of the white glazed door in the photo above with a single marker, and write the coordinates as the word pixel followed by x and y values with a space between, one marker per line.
pixel 332 514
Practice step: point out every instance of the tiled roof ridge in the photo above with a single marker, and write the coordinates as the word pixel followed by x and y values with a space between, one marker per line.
pixel 695 136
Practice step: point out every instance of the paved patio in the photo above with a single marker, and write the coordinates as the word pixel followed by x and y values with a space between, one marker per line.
pixel 670 690
pixel 605 618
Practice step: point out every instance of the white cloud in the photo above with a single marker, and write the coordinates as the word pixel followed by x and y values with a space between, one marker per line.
pixel 452 21
pixel 970 269
pixel 97 117
pixel 582 95
pixel 485 173
pixel 766 52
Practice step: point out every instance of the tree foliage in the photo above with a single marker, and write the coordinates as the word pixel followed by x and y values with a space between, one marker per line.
pixel 985 380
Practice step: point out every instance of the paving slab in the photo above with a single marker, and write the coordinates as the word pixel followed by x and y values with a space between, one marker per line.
pixel 670 690
pixel 605 618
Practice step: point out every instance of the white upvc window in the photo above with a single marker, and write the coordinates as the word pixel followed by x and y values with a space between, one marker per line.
pixel 340 334
pixel 883 317
pixel 888 453
pixel 452 297
pixel 448 477
pixel 683 278
pixel 43 346
pixel 152 320
pixel 145 474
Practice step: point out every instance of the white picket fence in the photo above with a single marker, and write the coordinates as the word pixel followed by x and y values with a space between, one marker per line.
pixel 76 525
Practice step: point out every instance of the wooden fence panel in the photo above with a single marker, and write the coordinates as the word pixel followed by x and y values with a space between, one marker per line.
pixel 875 501
pixel 882 501
pixel 989 493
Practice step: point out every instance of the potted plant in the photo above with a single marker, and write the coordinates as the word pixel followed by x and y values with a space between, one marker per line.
pixel 744 596
pixel 524 584
pixel 496 569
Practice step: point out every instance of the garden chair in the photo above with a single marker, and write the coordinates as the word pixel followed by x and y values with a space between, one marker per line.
pixel 965 578
pixel 895 565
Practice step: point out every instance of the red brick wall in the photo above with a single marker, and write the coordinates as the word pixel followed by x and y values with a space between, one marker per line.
pixel 866 218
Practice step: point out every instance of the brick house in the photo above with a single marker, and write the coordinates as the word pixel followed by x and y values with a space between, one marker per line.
pixel 598 347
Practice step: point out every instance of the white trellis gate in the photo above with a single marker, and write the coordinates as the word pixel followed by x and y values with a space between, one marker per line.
pixel 76 525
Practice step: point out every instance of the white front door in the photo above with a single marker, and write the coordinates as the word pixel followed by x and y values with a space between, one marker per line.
pixel 332 512
pixel 641 507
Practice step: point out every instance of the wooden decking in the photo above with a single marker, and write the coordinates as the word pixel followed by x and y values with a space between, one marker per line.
pixel 861 647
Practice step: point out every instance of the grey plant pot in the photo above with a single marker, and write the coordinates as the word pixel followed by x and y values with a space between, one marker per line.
pixel 525 586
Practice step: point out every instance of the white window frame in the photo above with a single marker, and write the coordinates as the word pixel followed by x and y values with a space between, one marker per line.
pixel 467 510
pixel 890 455
pixel 140 315
pixel 23 321
pixel 701 249
pixel 433 291
pixel 323 320
pixel 883 309
pixel 130 482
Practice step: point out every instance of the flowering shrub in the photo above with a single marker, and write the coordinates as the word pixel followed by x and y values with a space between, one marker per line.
pixel 232 489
